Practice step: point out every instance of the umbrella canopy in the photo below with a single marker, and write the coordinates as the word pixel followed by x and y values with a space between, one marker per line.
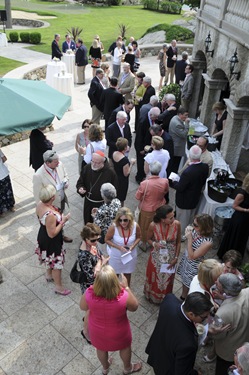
pixel 26 105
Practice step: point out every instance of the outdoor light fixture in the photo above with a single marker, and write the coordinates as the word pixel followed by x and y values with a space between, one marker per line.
pixel 233 61
pixel 208 42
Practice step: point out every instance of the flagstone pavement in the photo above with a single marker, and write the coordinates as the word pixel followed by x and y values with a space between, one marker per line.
pixel 40 331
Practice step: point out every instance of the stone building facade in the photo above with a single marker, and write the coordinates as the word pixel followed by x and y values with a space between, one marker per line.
pixel 227 21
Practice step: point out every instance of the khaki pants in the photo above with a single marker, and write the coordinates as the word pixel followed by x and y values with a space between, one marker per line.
pixel 96 115
pixel 81 74
pixel 170 72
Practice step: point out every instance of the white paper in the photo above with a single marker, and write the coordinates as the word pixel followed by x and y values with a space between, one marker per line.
pixel 174 176
pixel 164 268
pixel 125 258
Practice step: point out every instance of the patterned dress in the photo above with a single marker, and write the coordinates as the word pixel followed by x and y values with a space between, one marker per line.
pixel 158 283
pixel 188 268
pixel 105 216
pixel 7 200
pixel 87 263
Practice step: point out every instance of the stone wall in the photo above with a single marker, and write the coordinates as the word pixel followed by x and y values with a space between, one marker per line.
pixel 28 23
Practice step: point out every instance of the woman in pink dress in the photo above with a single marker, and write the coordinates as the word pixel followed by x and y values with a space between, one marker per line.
pixel 109 328
pixel 164 237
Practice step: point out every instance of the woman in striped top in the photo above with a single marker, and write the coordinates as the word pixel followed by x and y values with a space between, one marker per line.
pixel 199 242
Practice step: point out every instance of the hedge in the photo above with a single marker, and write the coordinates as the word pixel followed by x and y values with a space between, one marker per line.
pixel 35 38
pixel 24 37
pixel 13 35
pixel 172 32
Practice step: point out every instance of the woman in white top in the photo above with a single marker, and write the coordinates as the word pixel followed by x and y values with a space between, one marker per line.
pixel 117 58
pixel 7 200
pixel 158 154
pixel 97 142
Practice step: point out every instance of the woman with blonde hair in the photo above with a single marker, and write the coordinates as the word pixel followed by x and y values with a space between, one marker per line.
pixel 237 232
pixel 50 239
pixel 220 121
pixel 158 154
pixel 199 242
pixel 122 238
pixel 117 58
pixel 106 79
pixel 97 142
pixel 95 55
pixel 107 302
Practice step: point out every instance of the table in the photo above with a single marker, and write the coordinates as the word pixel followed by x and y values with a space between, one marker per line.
pixel 69 60
pixel 54 67
pixel 206 204
pixel 64 84
pixel 3 40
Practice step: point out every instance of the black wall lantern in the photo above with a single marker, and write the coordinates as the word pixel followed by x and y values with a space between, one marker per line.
pixel 208 42
pixel 233 61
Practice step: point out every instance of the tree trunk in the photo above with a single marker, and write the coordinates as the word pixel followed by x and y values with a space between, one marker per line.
pixel 8 11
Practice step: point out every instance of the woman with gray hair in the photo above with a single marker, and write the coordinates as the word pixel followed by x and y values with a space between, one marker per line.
pixel 105 214
pixel 151 194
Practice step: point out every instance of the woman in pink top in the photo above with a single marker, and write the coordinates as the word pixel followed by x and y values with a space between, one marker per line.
pixel 151 194
pixel 109 327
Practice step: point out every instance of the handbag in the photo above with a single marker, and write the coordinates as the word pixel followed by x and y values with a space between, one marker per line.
pixel 138 209
pixel 77 276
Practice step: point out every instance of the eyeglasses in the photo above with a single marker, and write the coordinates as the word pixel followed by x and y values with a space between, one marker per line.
pixel 124 220
pixel 93 240
pixel 195 225
pixel 86 126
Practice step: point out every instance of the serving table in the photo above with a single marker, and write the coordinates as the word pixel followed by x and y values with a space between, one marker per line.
pixel 54 67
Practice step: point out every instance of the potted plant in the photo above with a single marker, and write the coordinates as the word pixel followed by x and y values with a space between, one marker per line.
pixel 174 89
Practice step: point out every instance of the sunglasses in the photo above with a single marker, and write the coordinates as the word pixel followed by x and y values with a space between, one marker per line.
pixel 86 126
pixel 195 225
pixel 124 220
pixel 93 240
pixel 52 154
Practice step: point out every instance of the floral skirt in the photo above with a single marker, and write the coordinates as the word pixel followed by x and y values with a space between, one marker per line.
pixel 52 261
pixel 7 200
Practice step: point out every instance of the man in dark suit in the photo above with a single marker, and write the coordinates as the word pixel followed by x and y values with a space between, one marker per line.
pixel 68 44
pixel 190 187
pixel 111 99
pixel 144 110
pixel 38 145
pixel 141 140
pixel 120 128
pixel 81 61
pixel 171 62
pixel 187 87
pixel 149 91
pixel 173 344
pixel 126 107
pixel 180 67
pixel 56 52
pixel 94 94
pixel 169 112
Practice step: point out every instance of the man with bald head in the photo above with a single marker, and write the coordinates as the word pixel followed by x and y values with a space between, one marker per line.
pixel 91 178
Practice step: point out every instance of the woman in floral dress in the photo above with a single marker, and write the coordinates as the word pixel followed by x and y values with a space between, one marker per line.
pixel 164 236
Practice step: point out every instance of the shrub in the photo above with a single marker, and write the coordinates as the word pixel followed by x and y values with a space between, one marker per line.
pixel 13 35
pixel 35 38
pixel 75 32
pixel 150 4
pixel 172 32
pixel 174 89
pixel 171 7
pixel 24 37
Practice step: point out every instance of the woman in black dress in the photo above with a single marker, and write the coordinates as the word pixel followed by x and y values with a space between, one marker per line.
pixel 122 167
pixel 220 122
pixel 237 233
pixel 96 56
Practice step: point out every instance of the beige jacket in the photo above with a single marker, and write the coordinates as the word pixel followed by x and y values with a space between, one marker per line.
pixel 127 86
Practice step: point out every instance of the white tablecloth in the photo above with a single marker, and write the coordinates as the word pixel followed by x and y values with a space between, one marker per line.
pixel 64 84
pixel 206 204
pixel 69 60
pixel 54 67
pixel 3 40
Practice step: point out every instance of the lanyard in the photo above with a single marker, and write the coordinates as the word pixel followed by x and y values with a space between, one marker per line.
pixel 53 177
pixel 125 239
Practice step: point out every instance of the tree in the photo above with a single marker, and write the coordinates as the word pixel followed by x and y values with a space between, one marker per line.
pixel 8 12
pixel 193 3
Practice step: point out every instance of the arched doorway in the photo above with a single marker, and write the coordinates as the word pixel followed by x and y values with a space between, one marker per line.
pixel 219 74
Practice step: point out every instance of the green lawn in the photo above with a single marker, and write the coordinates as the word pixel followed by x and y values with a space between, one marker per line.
pixel 103 21
pixel 7 65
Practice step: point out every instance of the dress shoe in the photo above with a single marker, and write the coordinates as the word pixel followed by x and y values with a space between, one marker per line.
pixel 67 239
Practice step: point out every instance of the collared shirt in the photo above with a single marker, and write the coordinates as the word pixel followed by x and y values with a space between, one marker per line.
pixel 121 128
pixel 123 77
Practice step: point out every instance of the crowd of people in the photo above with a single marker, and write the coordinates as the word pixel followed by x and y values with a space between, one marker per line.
pixel 111 236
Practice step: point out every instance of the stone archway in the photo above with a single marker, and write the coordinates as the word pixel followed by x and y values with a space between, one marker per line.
pixel 219 74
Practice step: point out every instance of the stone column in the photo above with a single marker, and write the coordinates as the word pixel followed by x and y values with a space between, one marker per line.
pixel 211 95
pixel 236 124
pixel 199 66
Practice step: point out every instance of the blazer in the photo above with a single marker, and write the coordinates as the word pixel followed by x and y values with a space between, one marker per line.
pixel 81 56
pixel 65 46
pixel 38 145
pixel 170 53
pixel 166 116
pixel 113 133
pixel 180 70
pixel 113 116
pixel 110 100
pixel 42 178
pixel 95 92
pixel 174 342
pixel 127 86
pixel 187 88
pixel 178 131
pixel 148 93
pixel 56 52
pixel 190 186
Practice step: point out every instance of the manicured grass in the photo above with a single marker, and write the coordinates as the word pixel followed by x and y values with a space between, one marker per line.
pixel 7 65
pixel 103 21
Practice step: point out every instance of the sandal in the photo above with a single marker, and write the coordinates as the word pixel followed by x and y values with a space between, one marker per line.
pixel 106 371
pixel 135 367
pixel 64 292
pixel 208 360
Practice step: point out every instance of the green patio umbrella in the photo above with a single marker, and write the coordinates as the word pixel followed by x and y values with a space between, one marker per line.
pixel 26 105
